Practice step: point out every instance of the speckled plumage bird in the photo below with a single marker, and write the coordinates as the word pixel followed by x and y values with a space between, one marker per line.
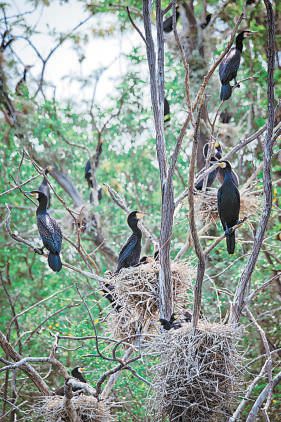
pixel 214 158
pixel 49 231
pixel 228 205
pixel 44 187
pixel 130 253
pixel 230 64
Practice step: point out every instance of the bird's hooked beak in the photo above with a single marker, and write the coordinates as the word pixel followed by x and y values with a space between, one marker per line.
pixel 217 145
pixel 140 215
pixel 222 165
pixel 32 193
pixel 81 369
pixel 249 33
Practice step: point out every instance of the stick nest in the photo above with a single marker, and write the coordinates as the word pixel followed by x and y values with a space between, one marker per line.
pixel 137 292
pixel 198 375
pixel 88 409
pixel 207 208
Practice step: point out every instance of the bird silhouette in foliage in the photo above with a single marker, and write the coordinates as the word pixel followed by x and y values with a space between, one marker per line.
pixel 77 374
pixel 49 231
pixel 130 253
pixel 228 205
pixel 214 158
pixel 168 23
pixel 230 64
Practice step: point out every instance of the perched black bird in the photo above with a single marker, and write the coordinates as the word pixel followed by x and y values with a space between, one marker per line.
pixel 44 187
pixel 173 323
pixel 167 116
pixel 77 374
pixel 203 25
pixel 229 66
pixel 130 253
pixel 228 205
pixel 21 88
pixel 168 23
pixel 49 231
pixel 88 174
pixel 217 156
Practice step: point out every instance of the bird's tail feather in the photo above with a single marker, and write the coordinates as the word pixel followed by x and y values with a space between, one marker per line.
pixel 54 262
pixel 230 242
pixel 226 92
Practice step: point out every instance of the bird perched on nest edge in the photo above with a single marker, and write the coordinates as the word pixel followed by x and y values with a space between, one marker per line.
pixel 228 205
pixel 130 253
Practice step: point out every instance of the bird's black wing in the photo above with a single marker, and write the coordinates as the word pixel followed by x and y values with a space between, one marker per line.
pixel 127 250
pixel 229 66
pixel 50 233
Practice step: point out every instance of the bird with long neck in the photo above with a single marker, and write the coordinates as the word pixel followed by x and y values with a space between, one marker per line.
pixel 228 205
pixel 230 64
pixel 130 253
pixel 49 231
pixel 44 187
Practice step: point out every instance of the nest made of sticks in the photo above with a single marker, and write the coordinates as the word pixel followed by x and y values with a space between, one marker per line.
pixel 88 409
pixel 136 290
pixel 198 376
pixel 207 207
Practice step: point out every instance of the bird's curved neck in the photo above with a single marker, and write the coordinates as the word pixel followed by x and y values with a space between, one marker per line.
pixel 239 42
pixel 227 175
pixel 42 207
pixel 134 227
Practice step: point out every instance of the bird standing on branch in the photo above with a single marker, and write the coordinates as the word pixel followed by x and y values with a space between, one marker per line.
pixel 49 231
pixel 130 253
pixel 229 66
pixel 21 87
pixel 228 205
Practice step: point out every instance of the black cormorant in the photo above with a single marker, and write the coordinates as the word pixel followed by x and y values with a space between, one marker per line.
pixel 228 205
pixel 203 25
pixel 49 231
pixel 44 187
pixel 130 253
pixel 167 116
pixel 168 23
pixel 214 158
pixel 229 66
pixel 77 374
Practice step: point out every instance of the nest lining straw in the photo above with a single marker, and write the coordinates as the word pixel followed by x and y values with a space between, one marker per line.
pixel 198 376
pixel 51 409
pixel 137 293
pixel 206 203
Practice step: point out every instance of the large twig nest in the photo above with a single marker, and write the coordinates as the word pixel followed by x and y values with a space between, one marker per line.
pixel 88 409
pixel 136 291
pixel 197 377
pixel 207 208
